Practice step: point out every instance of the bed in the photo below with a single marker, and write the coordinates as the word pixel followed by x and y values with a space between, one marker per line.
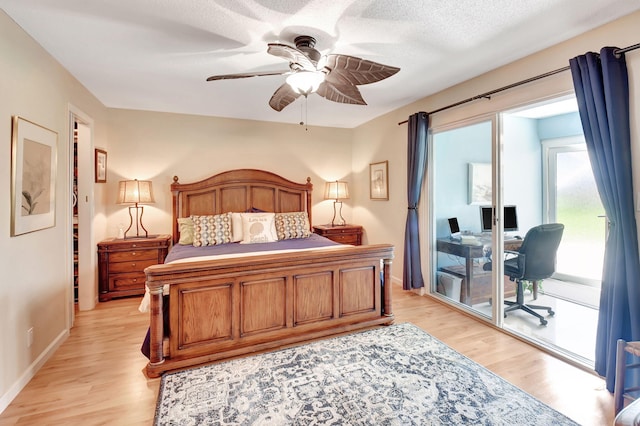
pixel 221 307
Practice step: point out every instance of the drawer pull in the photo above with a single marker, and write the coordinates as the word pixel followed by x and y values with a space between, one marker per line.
pixel 135 280
pixel 133 253
pixel 133 264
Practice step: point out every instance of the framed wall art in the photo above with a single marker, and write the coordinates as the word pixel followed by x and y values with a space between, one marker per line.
pixel 479 183
pixel 101 165
pixel 379 180
pixel 33 176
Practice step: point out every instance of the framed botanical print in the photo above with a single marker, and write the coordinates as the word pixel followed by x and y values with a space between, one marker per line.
pixel 379 180
pixel 33 176
pixel 101 165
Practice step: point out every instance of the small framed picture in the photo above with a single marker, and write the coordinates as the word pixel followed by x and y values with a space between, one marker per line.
pixel 379 180
pixel 480 183
pixel 33 176
pixel 101 166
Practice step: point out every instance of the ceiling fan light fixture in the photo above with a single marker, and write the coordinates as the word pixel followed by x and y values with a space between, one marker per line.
pixel 305 82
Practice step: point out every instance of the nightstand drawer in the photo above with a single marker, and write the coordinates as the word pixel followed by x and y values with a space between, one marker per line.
pixel 132 266
pixel 343 238
pixel 339 231
pixel 132 256
pixel 123 282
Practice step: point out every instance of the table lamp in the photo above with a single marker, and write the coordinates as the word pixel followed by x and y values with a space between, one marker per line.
pixel 135 192
pixel 337 190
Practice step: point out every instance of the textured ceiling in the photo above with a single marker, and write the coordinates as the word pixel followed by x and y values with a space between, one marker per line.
pixel 156 54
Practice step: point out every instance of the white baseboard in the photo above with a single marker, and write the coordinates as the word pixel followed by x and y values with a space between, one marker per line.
pixel 31 371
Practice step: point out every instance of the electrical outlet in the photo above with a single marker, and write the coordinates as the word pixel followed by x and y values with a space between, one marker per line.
pixel 30 337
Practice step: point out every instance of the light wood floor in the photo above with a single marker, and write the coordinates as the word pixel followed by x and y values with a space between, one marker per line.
pixel 96 376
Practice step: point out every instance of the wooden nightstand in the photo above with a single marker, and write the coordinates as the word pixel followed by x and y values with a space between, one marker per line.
pixel 345 234
pixel 121 264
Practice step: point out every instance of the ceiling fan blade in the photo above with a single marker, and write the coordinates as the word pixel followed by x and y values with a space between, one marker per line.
pixel 292 55
pixel 345 93
pixel 357 71
pixel 246 75
pixel 283 97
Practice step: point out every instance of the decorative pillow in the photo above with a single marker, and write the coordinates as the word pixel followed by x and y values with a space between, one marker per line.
pixel 185 226
pixel 236 227
pixel 292 225
pixel 211 230
pixel 258 228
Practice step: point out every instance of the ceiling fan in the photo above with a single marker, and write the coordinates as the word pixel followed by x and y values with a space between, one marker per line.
pixel 334 77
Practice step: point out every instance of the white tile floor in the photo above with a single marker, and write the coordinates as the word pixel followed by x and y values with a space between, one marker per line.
pixel 571 331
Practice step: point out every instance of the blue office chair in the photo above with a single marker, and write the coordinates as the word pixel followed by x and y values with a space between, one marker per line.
pixel 534 261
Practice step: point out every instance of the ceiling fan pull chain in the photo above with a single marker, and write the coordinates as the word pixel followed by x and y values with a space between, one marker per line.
pixel 301 118
pixel 303 121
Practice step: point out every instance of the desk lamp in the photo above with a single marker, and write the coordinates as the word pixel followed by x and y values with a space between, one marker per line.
pixel 135 192
pixel 337 191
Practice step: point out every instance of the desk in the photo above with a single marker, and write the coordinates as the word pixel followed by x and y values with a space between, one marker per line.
pixel 470 252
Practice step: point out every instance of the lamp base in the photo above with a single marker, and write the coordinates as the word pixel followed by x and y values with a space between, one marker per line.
pixel 138 223
pixel 340 221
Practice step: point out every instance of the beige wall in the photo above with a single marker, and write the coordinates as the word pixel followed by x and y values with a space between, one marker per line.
pixel 383 138
pixel 157 146
pixel 36 268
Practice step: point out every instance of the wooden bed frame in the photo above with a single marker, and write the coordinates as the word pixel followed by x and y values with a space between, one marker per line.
pixel 230 307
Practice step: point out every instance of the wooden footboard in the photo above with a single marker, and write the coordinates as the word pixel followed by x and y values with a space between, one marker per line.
pixel 230 307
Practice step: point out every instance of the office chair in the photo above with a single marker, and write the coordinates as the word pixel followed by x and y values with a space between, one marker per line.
pixel 625 391
pixel 534 261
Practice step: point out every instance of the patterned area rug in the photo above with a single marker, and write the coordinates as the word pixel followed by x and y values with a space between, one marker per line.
pixel 396 375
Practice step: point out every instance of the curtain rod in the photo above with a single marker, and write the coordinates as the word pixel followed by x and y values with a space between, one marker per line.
pixel 487 95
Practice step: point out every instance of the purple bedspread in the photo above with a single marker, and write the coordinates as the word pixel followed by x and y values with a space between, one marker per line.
pixel 183 251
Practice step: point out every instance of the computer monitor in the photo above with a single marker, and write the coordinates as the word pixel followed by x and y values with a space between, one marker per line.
pixel 454 227
pixel 510 218
pixel 486 218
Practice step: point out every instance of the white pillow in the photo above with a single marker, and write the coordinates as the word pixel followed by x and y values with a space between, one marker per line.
pixel 236 227
pixel 258 228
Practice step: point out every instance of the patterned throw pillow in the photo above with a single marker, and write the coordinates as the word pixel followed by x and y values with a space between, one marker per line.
pixel 185 226
pixel 292 225
pixel 258 228
pixel 211 230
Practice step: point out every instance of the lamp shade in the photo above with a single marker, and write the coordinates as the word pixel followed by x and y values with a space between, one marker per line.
pixel 305 82
pixel 135 191
pixel 337 190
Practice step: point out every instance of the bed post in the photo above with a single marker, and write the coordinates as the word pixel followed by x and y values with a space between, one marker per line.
pixel 156 328
pixel 176 212
pixel 309 201
pixel 386 266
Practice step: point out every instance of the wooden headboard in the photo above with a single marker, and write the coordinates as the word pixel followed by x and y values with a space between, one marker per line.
pixel 239 191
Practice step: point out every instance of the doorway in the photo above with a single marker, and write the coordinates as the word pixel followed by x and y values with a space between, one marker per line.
pixel 82 242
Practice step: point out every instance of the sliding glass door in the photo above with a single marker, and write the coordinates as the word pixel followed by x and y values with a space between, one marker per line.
pixel 461 185
pixel 573 200
pixel 512 161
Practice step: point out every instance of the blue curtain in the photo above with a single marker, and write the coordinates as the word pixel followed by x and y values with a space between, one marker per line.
pixel 416 166
pixel 602 89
